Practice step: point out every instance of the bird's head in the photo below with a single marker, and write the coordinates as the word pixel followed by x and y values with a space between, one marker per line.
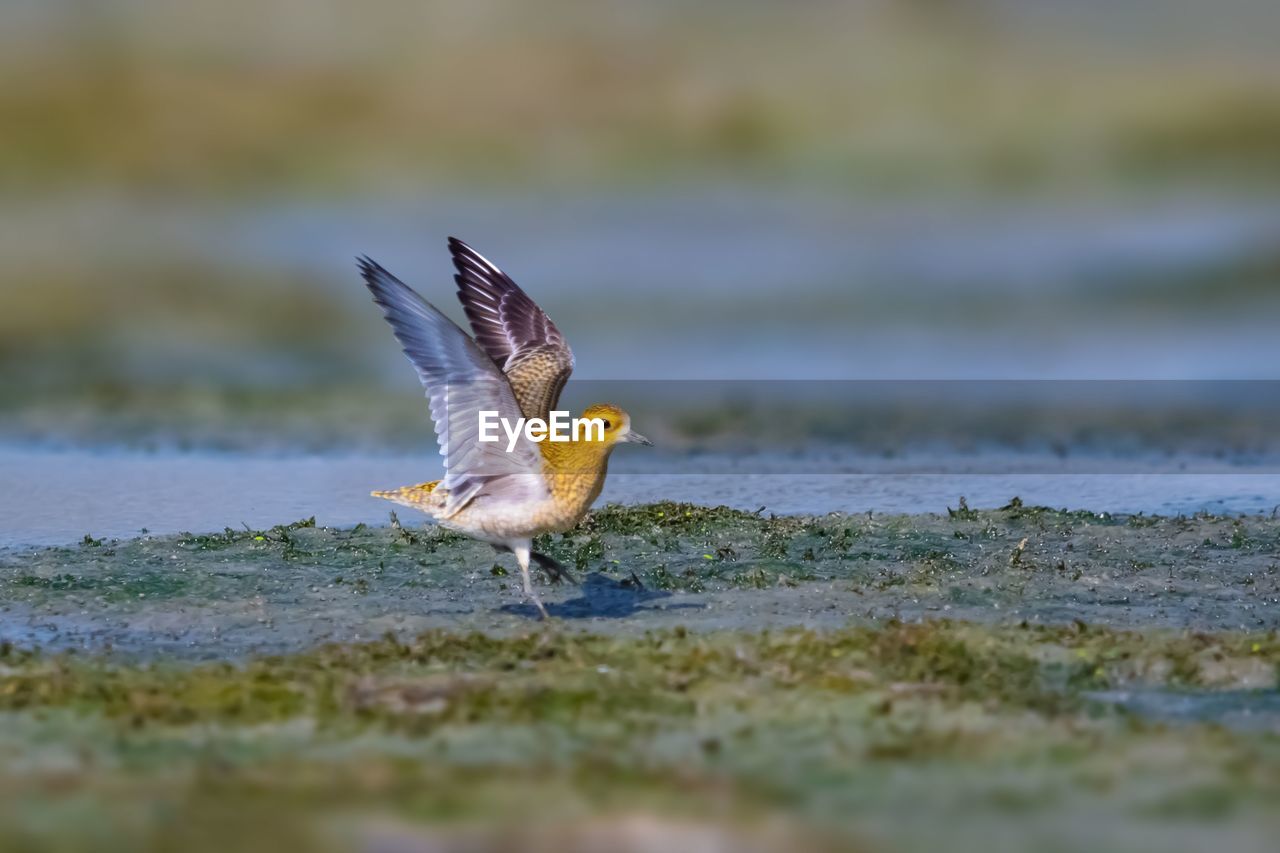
pixel 616 425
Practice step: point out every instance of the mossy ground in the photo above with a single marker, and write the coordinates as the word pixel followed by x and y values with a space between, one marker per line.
pixel 657 566
pixel 490 728
pixel 896 733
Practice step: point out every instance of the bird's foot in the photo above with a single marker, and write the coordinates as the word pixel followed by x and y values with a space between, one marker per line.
pixel 633 582
pixel 555 570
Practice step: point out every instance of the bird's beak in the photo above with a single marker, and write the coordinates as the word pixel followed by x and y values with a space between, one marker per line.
pixel 637 438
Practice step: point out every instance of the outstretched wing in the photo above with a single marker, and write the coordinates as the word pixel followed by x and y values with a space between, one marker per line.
pixel 514 331
pixel 460 381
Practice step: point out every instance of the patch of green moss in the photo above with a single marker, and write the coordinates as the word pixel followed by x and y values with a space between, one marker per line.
pixel 831 726
pixel 665 516
pixel 549 674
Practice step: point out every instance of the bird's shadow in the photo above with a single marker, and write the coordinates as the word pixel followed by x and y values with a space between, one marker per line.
pixel 601 597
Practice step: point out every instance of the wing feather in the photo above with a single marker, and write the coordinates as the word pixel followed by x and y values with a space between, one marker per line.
pixel 513 330
pixel 460 381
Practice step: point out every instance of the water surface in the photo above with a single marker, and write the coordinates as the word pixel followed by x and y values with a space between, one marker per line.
pixel 59 496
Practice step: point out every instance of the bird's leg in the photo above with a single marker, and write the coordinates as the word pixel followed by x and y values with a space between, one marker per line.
pixel 522 557
pixel 554 568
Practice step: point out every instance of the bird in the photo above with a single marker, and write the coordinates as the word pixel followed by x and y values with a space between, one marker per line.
pixel 502 492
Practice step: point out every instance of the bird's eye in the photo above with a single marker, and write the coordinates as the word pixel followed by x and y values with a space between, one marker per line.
pixel 607 424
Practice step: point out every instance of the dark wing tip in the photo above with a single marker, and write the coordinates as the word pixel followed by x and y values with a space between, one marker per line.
pixel 369 268
pixel 470 262
pixel 386 288
pixel 462 253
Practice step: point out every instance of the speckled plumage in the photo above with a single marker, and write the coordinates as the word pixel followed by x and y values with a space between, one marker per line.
pixel 537 377
pixel 517 365
pixel 513 330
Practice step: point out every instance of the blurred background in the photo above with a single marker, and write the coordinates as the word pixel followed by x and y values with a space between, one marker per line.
pixel 822 190
pixel 731 192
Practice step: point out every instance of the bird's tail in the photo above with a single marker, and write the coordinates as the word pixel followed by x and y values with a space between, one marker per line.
pixel 419 496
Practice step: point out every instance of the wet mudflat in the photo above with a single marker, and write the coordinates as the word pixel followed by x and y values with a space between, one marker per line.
pixel 1073 679
pixel 243 591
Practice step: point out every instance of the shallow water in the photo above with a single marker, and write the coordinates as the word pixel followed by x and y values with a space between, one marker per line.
pixel 1251 710
pixel 59 496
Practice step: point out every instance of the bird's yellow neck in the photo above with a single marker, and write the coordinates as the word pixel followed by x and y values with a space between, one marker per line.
pixel 576 470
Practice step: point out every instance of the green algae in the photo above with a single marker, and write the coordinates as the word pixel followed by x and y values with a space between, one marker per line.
pixel 837 730
pixel 288 587
pixel 785 670
pixel 552 676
